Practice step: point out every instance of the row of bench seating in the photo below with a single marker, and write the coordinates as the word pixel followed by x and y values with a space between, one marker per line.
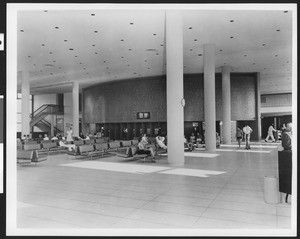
pixel 90 150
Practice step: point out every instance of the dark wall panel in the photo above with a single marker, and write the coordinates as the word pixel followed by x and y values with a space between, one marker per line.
pixel 120 101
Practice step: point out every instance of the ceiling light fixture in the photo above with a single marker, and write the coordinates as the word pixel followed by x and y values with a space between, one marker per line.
pixel 21 30
pixel 231 37
pixel 195 39
pixel 43 44
pixel 285 11
pixel 71 49
pixel 231 20
pixel 93 14
pixel 96 31
pixel 190 28
pixel 154 34
pixel 56 27
pixel 199 54
pixel 131 23
pixel 278 30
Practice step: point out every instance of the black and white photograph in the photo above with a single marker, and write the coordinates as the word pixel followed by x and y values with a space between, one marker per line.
pixel 151 119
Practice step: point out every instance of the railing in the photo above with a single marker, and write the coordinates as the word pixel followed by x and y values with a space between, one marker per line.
pixel 47 126
pixel 43 111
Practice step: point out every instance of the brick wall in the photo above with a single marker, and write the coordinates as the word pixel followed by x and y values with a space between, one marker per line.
pixel 120 101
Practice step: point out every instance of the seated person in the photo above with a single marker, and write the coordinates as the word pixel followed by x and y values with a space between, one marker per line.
pixel 187 145
pixel 193 138
pixel 144 139
pixel 286 138
pixel 70 147
pixel 46 137
pixel 55 137
pixel 143 150
pixel 160 142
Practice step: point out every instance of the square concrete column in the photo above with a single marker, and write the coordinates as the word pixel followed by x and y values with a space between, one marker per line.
pixel 175 114
pixel 75 95
pixel 209 97
pixel 25 90
pixel 226 105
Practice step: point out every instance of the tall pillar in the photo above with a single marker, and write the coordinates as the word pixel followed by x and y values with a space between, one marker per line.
pixel 52 126
pixel 258 105
pixel 175 102
pixel 209 97
pixel 226 107
pixel 25 103
pixel 75 94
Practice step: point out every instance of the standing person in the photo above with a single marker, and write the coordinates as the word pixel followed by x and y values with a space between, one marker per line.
pixel 239 136
pixel 270 133
pixel 247 131
pixel 286 140
pixel 70 134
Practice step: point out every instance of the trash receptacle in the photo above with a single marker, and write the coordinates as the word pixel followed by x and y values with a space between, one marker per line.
pixel 271 191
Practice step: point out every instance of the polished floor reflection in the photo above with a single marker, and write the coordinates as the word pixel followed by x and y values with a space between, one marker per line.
pixel 221 192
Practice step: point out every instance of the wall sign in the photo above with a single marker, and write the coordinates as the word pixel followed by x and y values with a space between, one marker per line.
pixel 143 115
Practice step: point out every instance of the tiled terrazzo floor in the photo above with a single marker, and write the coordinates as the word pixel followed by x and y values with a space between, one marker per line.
pixel 53 195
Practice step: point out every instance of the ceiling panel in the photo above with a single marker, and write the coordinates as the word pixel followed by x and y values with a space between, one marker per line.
pixel 94 45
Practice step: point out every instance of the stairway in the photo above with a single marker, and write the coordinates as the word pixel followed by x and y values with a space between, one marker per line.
pixel 38 117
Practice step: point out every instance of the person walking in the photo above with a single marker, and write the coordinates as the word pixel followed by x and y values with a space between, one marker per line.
pixel 239 136
pixel 270 133
pixel 247 131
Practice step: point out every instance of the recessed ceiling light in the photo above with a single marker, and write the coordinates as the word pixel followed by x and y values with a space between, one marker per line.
pixel 71 49
pixel 134 73
pixel 29 56
pixel 93 14
pixel 56 27
pixel 157 54
pixel 96 53
pixel 122 57
pixel 94 45
pixel 264 44
pixel 43 44
pixel 122 39
pixel 231 37
pixel 231 20
pixel 130 49
pixel 199 54
pixel 21 30
pixel 131 23
pixel 285 11
pixel 190 28
pixel 161 45
pixel 54 61
pixel 278 30
pixel 191 49
pixel 276 55
pixel 221 50
pixel 154 34
pixel 195 39
pixel 245 55
pixel 50 52
pixel 45 10
pixel 65 40
pixel 96 31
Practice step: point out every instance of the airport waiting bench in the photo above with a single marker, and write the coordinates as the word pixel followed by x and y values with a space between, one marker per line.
pixel 29 157
pixel 51 147
pixel 90 150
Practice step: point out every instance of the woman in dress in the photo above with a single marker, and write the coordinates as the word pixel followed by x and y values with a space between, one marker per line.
pixel 70 135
